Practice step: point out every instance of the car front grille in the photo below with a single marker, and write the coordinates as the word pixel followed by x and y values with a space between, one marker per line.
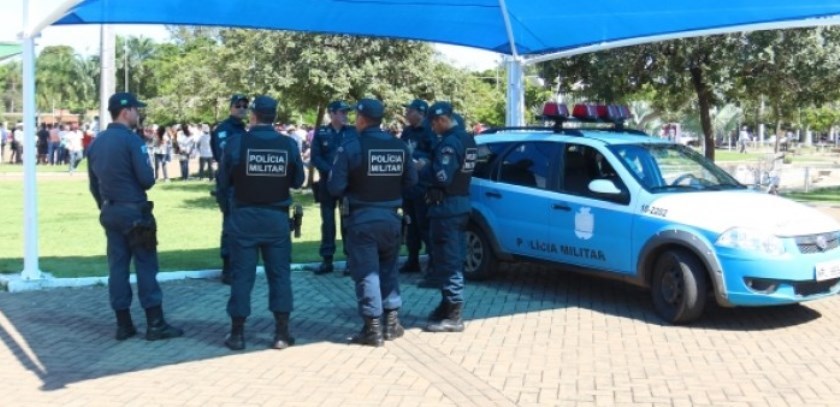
pixel 814 287
pixel 818 243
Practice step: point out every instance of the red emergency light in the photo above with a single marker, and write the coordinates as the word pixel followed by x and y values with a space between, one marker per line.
pixel 604 113
pixel 554 111
pixel 585 112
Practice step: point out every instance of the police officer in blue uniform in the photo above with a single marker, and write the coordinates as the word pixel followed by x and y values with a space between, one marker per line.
pixel 258 169
pixel 420 139
pixel 119 172
pixel 219 137
pixel 370 172
pixel 448 173
pixel 325 143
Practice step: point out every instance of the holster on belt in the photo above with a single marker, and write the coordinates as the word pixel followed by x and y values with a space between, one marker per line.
pixel 143 231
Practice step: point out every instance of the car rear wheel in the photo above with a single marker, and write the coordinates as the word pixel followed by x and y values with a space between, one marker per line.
pixel 679 287
pixel 480 262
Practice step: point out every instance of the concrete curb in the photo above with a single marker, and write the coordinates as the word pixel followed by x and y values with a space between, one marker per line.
pixel 15 283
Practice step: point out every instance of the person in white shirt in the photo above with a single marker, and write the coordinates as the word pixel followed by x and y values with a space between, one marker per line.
pixel 17 145
pixel 73 143
pixel 186 149
pixel 205 153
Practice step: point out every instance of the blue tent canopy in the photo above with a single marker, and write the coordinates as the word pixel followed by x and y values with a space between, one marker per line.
pixel 535 26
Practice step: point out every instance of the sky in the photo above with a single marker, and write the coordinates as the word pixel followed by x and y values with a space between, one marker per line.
pixel 85 39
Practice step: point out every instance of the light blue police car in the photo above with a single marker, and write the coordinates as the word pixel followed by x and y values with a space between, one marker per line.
pixel 623 204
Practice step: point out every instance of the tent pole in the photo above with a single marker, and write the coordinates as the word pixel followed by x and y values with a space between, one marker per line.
pixel 32 30
pixel 514 113
pixel 508 28
pixel 30 194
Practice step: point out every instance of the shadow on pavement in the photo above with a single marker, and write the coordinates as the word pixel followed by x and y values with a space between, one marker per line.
pixel 66 335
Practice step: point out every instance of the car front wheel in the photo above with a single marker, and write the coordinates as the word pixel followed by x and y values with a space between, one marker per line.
pixel 679 287
pixel 480 262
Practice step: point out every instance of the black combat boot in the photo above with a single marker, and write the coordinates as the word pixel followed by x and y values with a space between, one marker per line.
pixel 452 322
pixel 282 339
pixel 439 313
pixel 412 265
pixel 236 338
pixel 227 276
pixel 125 327
pixel 371 333
pixel 326 266
pixel 393 329
pixel 156 326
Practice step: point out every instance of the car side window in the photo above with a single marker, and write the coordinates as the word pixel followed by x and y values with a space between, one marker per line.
pixel 487 154
pixel 582 165
pixel 529 165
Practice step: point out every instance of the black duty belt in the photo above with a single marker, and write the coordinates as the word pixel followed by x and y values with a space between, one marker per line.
pixel 141 204
pixel 354 208
pixel 260 206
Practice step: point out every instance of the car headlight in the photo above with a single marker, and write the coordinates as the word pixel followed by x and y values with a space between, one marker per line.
pixel 748 239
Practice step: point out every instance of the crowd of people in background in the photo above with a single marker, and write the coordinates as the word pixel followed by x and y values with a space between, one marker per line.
pixel 55 144
pixel 190 145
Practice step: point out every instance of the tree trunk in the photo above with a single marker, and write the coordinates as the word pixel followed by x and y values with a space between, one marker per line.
pixel 319 119
pixel 704 98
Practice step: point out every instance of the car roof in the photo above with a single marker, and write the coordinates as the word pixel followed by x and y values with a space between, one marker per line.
pixel 606 136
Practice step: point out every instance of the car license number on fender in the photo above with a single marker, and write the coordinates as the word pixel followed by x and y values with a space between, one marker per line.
pixel 828 270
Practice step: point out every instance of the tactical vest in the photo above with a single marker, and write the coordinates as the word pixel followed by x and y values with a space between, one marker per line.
pixel 262 176
pixel 379 177
pixel 460 185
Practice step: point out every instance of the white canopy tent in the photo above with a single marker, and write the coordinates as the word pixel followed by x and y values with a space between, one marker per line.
pixel 528 31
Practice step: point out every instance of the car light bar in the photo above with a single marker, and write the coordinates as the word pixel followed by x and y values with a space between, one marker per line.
pixel 584 112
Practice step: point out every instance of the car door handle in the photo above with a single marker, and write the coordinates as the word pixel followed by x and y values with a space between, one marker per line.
pixel 493 194
pixel 562 207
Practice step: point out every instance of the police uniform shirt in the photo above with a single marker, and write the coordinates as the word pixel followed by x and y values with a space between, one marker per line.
pixel 118 166
pixel 325 144
pixel 221 135
pixel 264 164
pixel 419 139
pixel 381 163
pixel 451 167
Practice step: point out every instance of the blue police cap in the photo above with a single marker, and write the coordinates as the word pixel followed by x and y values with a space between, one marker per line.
pixel 236 98
pixel 439 109
pixel 419 105
pixel 370 108
pixel 123 100
pixel 264 104
pixel 337 105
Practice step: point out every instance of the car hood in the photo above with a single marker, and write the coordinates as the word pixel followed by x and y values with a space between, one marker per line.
pixel 719 211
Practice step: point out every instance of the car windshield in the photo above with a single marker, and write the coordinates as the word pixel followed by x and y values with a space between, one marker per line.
pixel 663 167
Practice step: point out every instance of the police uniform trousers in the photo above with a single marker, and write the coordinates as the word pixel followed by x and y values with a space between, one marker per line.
pixel 372 249
pixel 259 230
pixel 449 249
pixel 417 233
pixel 328 207
pixel 117 219
pixel 224 240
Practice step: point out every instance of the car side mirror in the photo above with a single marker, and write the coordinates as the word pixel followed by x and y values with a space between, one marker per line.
pixel 604 187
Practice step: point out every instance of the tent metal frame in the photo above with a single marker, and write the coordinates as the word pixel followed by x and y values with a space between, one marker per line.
pixel 514 63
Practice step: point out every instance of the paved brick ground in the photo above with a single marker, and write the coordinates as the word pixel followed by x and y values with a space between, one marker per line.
pixel 534 337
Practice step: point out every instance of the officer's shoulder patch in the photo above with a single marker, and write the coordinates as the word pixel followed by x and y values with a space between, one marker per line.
pixel 222 134
pixel 144 150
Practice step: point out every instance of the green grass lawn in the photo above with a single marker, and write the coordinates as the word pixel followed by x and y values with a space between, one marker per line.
pixel 823 195
pixel 10 168
pixel 72 243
